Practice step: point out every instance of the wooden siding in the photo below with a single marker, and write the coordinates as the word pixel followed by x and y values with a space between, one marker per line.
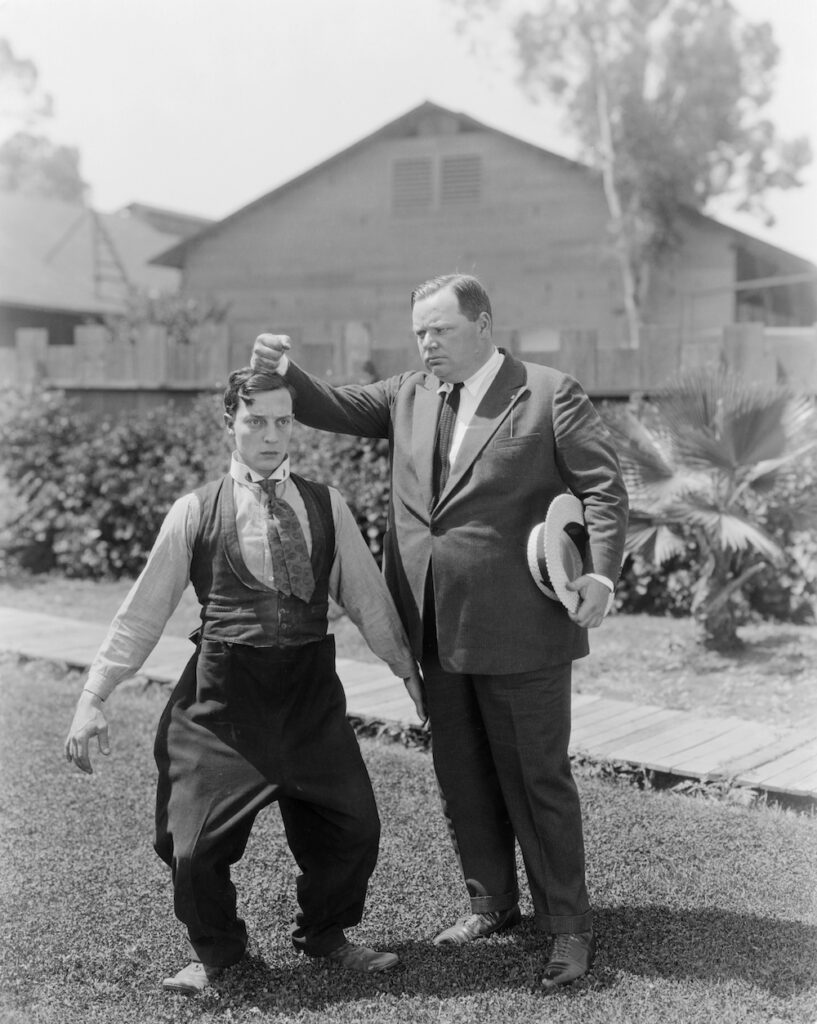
pixel 334 250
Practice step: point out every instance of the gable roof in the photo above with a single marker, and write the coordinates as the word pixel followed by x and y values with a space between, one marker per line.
pixel 405 126
pixel 61 256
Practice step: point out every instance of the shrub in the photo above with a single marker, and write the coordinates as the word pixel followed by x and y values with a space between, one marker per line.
pixel 92 492
pixel 89 494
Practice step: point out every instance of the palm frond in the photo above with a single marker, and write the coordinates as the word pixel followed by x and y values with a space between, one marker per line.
pixel 639 449
pixel 721 420
pixel 655 542
pixel 733 533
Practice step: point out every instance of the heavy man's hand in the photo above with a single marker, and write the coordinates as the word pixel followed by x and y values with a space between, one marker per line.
pixel 594 599
pixel 414 685
pixel 88 721
pixel 268 350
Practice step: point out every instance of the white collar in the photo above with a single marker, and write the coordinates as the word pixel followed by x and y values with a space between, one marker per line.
pixel 476 381
pixel 242 473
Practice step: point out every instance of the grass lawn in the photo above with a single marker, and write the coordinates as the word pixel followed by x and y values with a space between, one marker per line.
pixel 705 911
pixel 635 657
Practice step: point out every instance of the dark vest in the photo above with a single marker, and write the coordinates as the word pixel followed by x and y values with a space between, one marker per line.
pixel 235 606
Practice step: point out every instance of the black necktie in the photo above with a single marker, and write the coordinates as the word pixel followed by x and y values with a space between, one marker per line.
pixel 291 567
pixel 445 432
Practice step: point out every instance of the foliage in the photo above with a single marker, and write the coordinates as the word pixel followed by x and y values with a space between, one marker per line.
pixel 666 98
pixel 179 313
pixel 91 494
pixel 23 99
pixel 358 467
pixel 714 469
pixel 30 163
pixel 35 166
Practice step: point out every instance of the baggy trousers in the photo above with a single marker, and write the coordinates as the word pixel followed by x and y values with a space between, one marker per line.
pixel 500 754
pixel 243 728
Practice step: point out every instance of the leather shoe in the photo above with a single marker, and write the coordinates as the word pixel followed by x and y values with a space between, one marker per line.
pixel 192 979
pixel 478 926
pixel 570 958
pixel 361 958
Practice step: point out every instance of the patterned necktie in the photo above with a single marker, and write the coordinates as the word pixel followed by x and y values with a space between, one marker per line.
pixel 445 432
pixel 291 566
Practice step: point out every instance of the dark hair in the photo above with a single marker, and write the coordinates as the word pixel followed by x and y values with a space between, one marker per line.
pixel 472 297
pixel 245 382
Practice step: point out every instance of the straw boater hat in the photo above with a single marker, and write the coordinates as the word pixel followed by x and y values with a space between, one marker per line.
pixel 556 550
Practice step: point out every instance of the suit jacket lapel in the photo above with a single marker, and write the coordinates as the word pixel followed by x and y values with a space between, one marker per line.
pixel 505 391
pixel 424 426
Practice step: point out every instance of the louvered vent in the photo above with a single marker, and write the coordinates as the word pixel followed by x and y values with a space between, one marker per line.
pixel 412 185
pixel 461 180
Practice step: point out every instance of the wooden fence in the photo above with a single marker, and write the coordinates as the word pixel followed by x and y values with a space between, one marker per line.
pixel 149 360
pixel 763 355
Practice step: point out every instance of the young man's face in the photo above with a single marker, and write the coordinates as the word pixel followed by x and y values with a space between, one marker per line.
pixel 262 429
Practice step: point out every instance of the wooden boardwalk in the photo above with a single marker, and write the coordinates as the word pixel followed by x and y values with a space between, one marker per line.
pixel 709 748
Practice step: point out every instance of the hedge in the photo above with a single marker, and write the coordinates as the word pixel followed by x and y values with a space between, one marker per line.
pixel 88 495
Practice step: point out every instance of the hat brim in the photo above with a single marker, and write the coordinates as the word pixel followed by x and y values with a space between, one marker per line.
pixel 554 559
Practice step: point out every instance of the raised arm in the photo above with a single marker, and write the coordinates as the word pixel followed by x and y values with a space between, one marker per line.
pixel 359 409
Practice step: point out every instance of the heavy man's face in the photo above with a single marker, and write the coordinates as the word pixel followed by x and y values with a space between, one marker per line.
pixel 452 347
pixel 262 429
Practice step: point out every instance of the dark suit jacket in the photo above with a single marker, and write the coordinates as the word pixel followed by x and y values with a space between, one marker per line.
pixel 534 435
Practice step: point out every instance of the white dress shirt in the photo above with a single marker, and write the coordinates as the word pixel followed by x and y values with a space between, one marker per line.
pixel 354 580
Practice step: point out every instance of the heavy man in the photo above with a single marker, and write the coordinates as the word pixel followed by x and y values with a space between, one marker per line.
pixel 481 443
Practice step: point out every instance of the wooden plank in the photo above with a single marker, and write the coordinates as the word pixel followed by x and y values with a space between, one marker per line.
pixel 605 710
pixel 769 752
pixel 362 669
pixel 791 780
pixel 707 758
pixel 368 686
pixel 745 738
pixel 771 771
pixel 614 740
pixel 673 742
pixel 644 721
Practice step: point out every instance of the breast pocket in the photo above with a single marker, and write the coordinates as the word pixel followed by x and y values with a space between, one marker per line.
pixel 510 444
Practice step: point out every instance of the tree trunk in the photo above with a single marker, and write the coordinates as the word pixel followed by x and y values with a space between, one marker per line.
pixel 621 241
pixel 718 628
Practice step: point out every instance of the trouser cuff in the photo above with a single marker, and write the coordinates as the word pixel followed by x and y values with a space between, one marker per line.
pixel 489 904
pixel 322 944
pixel 565 925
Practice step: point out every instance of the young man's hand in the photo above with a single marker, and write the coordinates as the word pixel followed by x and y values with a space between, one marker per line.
pixel 88 721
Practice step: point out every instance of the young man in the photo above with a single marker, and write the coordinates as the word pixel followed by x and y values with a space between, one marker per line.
pixel 259 713
pixel 481 443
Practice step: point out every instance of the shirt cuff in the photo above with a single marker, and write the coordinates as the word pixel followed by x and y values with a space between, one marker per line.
pixel 602 579
pixel 283 366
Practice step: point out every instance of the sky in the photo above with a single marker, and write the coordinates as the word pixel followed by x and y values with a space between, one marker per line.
pixel 202 106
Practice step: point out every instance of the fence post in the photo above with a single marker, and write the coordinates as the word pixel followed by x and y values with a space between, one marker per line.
pixel 31 346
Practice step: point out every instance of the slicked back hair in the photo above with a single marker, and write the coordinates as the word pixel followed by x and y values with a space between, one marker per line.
pixel 472 297
pixel 244 383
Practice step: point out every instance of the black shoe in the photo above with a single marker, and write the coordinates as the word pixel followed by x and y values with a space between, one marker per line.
pixel 478 926
pixel 361 958
pixel 570 958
